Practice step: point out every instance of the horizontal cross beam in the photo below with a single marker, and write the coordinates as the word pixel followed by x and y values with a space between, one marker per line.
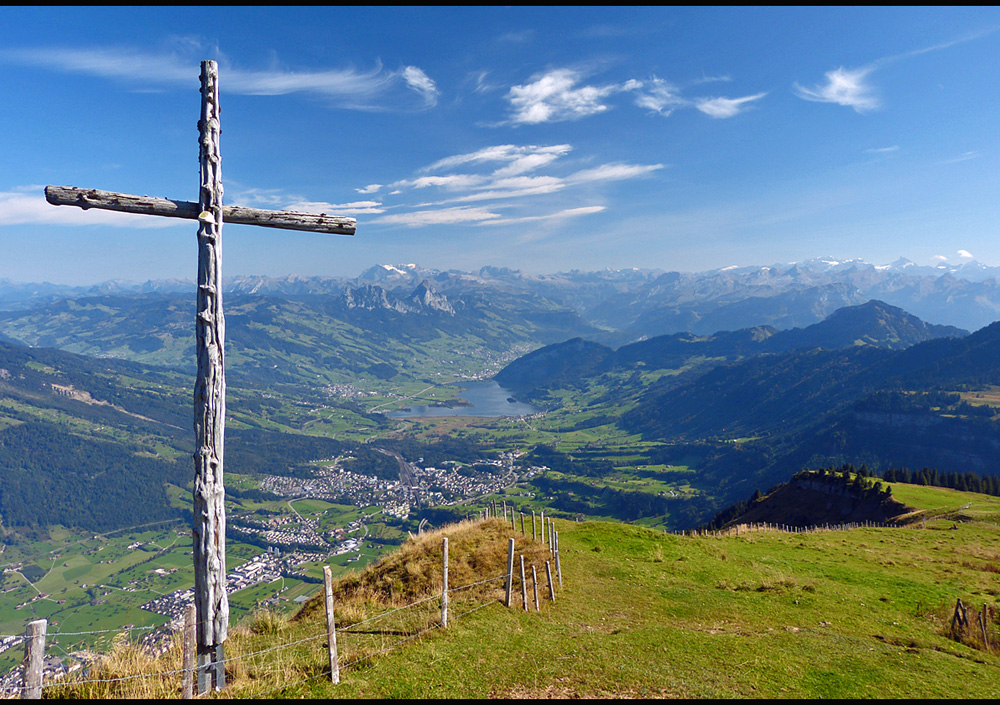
pixel 145 205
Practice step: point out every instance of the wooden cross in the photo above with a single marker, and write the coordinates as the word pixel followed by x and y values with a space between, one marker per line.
pixel 209 530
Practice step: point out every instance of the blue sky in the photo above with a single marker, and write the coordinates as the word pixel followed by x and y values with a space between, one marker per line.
pixel 540 139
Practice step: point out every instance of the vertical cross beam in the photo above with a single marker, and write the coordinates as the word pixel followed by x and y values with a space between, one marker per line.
pixel 209 528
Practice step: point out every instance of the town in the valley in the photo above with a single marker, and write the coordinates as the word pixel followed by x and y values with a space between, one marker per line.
pixel 293 540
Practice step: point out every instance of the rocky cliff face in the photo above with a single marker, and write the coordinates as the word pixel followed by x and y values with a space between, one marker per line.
pixel 372 297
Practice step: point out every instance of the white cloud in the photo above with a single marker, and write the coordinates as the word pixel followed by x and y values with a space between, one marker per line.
pixel 451 181
pixel 882 150
pixel 370 188
pixel 725 107
pixel 660 97
pixel 847 87
pixel 965 156
pixel 27 206
pixel 939 259
pixel 965 254
pixel 613 172
pixel 420 82
pixel 843 87
pixel 568 213
pixel 441 216
pixel 554 97
pixel 516 187
pixel 500 153
pixel 347 87
pixel 480 84
pixel 353 208
pixel 529 162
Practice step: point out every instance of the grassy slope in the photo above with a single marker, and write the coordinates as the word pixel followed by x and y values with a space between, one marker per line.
pixel 860 613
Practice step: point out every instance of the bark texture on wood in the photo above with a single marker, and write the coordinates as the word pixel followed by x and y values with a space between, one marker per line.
pixel 34 659
pixel 510 573
pixel 147 205
pixel 331 625
pixel 190 647
pixel 210 388
pixel 444 582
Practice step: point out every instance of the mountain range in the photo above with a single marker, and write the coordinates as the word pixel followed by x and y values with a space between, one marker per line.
pixel 628 304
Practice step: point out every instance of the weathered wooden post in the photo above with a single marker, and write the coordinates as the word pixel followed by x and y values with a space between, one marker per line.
pixel 522 522
pixel 190 649
pixel 534 586
pixel 209 524
pixel 444 583
pixel 524 586
pixel 331 625
pixel 548 572
pixel 558 567
pixel 510 572
pixel 533 532
pixel 542 528
pixel 211 599
pixel 34 659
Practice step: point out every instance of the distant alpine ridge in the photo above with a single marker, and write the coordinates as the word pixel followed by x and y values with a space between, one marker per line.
pixel 629 304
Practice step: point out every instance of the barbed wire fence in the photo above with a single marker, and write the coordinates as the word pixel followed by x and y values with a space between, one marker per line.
pixel 382 633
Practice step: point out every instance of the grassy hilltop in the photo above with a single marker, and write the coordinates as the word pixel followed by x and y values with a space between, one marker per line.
pixel 859 614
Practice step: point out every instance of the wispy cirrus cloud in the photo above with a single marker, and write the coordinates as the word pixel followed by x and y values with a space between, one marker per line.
pixel 558 215
pixel 726 107
pixel 850 87
pixel 512 154
pixel 612 172
pixel 843 87
pixel 353 208
pixel 420 82
pixel 350 88
pixel 440 216
pixel 660 97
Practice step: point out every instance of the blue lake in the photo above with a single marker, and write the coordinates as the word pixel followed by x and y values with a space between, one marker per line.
pixel 486 398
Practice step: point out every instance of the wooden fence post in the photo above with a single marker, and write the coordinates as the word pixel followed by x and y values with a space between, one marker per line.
pixel 522 523
pixel 982 624
pixel 552 589
pixel 331 625
pixel 34 659
pixel 510 572
pixel 558 567
pixel 543 527
pixel 444 584
pixel 190 647
pixel 524 586
pixel 534 586
pixel 532 524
